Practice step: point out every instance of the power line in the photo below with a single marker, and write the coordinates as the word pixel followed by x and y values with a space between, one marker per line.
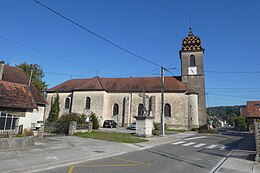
pixel 51 55
pixel 236 72
pixel 95 34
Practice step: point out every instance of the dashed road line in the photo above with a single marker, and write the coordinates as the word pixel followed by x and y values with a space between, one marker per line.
pixel 211 146
pixel 180 142
pixel 199 145
pixel 188 144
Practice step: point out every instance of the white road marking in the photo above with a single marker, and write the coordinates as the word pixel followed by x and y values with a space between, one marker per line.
pixel 199 145
pixel 52 158
pixel 180 142
pixel 198 137
pixel 211 146
pixel 188 144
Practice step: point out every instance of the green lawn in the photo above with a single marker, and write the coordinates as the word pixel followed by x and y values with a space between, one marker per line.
pixel 111 136
pixel 178 130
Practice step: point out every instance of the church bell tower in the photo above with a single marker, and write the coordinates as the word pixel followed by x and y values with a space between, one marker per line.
pixel 192 71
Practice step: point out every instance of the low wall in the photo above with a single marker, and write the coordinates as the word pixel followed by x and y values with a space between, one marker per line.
pixel 14 143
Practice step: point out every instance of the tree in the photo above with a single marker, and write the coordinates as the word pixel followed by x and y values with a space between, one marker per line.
pixel 240 123
pixel 94 120
pixel 37 75
pixel 55 109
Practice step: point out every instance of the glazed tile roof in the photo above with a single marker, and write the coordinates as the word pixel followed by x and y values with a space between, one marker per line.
pixel 150 84
pixel 191 43
pixel 14 79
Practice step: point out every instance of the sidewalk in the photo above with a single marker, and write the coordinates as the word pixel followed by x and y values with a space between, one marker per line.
pixel 241 160
pixel 52 152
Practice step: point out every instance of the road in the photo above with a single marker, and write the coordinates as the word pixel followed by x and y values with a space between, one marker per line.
pixel 200 153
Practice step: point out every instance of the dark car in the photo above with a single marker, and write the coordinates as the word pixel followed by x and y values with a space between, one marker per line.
pixel 109 124
pixel 132 126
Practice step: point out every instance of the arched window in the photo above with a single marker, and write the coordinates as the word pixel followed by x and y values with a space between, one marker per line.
pixel 67 103
pixel 115 109
pixel 140 110
pixel 88 101
pixel 167 110
pixel 192 61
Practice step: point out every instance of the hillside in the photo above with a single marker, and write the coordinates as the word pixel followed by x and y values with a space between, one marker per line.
pixel 223 112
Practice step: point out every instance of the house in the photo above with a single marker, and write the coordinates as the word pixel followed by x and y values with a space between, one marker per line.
pixel 20 105
pixel 251 112
pixel 119 98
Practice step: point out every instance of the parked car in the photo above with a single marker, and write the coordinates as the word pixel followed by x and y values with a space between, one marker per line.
pixel 132 126
pixel 109 124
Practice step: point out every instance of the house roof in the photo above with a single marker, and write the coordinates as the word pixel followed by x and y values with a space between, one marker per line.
pixel 17 76
pixel 252 110
pixel 14 95
pixel 149 84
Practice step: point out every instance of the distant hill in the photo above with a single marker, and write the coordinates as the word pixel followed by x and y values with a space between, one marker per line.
pixel 223 112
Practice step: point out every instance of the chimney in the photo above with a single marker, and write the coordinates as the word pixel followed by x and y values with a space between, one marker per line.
pixel 2 63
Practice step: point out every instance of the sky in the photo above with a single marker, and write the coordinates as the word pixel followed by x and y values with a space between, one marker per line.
pixel 152 29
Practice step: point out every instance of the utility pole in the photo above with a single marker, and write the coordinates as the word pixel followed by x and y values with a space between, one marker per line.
pixel 30 77
pixel 162 101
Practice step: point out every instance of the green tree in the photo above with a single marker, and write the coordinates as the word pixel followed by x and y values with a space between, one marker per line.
pixel 94 120
pixel 37 75
pixel 55 109
pixel 240 123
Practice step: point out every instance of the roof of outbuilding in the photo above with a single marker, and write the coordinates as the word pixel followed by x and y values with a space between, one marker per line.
pixel 14 95
pixel 137 84
pixel 16 75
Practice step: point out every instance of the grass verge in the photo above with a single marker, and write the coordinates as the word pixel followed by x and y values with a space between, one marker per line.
pixel 111 136
pixel 178 130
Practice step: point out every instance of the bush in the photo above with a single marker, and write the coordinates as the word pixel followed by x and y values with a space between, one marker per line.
pixel 94 120
pixel 240 123
pixel 62 124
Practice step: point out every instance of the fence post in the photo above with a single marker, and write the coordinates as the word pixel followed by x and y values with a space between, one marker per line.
pixel 90 126
pixel 72 127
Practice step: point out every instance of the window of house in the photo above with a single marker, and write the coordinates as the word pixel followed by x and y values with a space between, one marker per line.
pixel 140 110
pixel 88 101
pixel 192 61
pixel 115 109
pixel 256 104
pixel 167 110
pixel 67 103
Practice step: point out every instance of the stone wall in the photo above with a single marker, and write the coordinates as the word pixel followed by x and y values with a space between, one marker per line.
pixel 15 143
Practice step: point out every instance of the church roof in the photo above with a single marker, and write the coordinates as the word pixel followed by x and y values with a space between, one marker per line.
pixel 136 84
pixel 191 43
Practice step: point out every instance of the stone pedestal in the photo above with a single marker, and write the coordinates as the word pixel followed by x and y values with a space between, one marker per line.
pixel 144 126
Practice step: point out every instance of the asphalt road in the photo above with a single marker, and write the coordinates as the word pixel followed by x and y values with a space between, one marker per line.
pixel 199 153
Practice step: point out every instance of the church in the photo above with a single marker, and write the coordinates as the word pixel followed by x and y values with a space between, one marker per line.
pixel 119 98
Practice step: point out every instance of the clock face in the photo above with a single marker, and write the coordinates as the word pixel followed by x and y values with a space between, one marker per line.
pixel 192 70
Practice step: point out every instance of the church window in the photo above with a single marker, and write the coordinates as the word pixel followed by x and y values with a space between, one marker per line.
pixel 115 109
pixel 67 103
pixel 192 61
pixel 167 110
pixel 88 101
pixel 140 110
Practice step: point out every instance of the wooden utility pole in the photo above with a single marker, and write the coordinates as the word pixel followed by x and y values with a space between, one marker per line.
pixel 162 101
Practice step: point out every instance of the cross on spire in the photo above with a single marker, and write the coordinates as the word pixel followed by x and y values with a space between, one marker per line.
pixel 190 31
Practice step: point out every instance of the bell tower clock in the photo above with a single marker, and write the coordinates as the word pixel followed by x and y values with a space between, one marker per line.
pixel 192 71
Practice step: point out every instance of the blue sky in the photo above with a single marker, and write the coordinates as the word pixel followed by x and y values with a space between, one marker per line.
pixel 229 30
